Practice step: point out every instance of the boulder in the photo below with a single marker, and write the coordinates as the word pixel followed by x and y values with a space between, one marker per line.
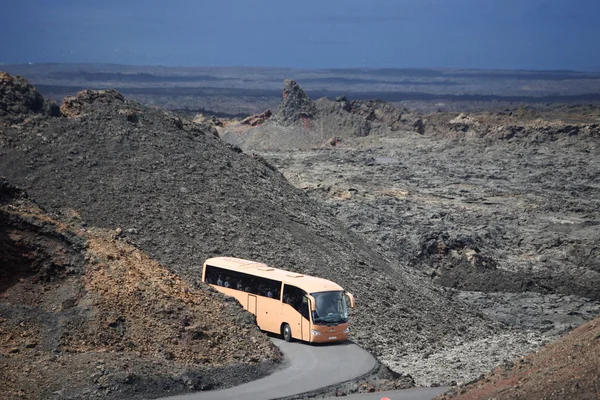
pixel 74 106
pixel 257 119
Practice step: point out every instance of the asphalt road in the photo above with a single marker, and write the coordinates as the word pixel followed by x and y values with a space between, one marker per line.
pixel 307 368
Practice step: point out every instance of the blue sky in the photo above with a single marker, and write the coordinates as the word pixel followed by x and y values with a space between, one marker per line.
pixel 490 34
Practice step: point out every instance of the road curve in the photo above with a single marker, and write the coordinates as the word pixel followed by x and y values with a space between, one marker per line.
pixel 307 368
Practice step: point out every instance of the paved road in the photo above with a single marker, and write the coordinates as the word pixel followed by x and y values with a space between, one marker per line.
pixel 307 368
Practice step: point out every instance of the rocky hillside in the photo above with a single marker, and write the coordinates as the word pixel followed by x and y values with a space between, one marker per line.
pixel 501 208
pixel 181 195
pixel 520 124
pixel 499 201
pixel 85 314
pixel 301 123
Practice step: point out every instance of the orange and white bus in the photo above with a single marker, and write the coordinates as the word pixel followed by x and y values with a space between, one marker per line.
pixel 296 306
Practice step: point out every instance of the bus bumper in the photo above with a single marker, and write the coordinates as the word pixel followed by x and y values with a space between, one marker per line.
pixel 328 337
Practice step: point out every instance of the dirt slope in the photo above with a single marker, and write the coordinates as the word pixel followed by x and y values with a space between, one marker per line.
pixel 182 196
pixel 566 369
pixel 85 314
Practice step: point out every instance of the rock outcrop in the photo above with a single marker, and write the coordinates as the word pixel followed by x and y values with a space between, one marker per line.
pixel 73 106
pixel 19 100
pixel 303 123
pixel 257 119
pixel 500 127
pixel 296 106
pixel 384 113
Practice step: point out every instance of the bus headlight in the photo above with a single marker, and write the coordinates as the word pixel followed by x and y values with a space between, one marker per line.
pixel 316 333
pixel 347 330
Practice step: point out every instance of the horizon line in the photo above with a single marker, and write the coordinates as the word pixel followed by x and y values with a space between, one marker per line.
pixel 588 71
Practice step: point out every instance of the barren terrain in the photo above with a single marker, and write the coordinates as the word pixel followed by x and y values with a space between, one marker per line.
pixel 500 208
pixel 181 195
pixel 509 247
pixel 566 369
pixel 468 239
pixel 241 91
pixel 83 314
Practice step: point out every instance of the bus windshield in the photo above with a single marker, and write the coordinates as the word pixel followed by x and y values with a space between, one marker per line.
pixel 331 308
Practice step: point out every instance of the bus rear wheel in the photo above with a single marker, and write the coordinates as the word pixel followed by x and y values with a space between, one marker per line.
pixel 286 332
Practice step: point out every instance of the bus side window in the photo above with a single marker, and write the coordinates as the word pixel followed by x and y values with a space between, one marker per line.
pixel 294 297
pixel 211 274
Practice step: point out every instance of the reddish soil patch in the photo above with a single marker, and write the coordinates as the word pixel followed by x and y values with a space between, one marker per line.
pixel 566 369
pixel 83 313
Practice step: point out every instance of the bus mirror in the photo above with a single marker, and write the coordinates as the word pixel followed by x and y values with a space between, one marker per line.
pixel 350 298
pixel 312 302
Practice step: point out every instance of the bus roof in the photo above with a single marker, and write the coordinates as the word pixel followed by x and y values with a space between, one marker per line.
pixel 310 284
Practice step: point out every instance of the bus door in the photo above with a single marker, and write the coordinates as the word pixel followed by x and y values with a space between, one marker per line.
pixel 251 304
pixel 305 321
pixel 295 311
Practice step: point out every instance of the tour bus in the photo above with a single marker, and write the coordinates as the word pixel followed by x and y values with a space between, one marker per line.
pixel 296 306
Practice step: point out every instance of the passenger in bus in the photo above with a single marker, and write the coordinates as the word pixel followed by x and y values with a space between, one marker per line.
pixel 226 283
pixel 293 301
pixel 219 281
pixel 240 285
pixel 331 309
pixel 297 303
pixel 269 293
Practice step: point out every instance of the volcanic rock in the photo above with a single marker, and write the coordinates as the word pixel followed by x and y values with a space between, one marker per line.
pixel 498 127
pixel 296 106
pixel 568 368
pixel 257 119
pixel 73 106
pixel 301 123
pixel 204 120
pixel 19 100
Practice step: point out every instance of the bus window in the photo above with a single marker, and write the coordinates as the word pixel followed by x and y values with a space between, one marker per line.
pixel 242 282
pixel 293 296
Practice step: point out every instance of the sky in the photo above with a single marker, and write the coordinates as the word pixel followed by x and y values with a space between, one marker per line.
pixel 482 34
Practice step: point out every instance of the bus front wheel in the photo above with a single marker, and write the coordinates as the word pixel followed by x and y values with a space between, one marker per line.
pixel 286 332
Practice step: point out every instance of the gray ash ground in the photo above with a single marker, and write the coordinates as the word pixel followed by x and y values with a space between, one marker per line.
pixel 499 207
pixel 510 228
pixel 462 212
